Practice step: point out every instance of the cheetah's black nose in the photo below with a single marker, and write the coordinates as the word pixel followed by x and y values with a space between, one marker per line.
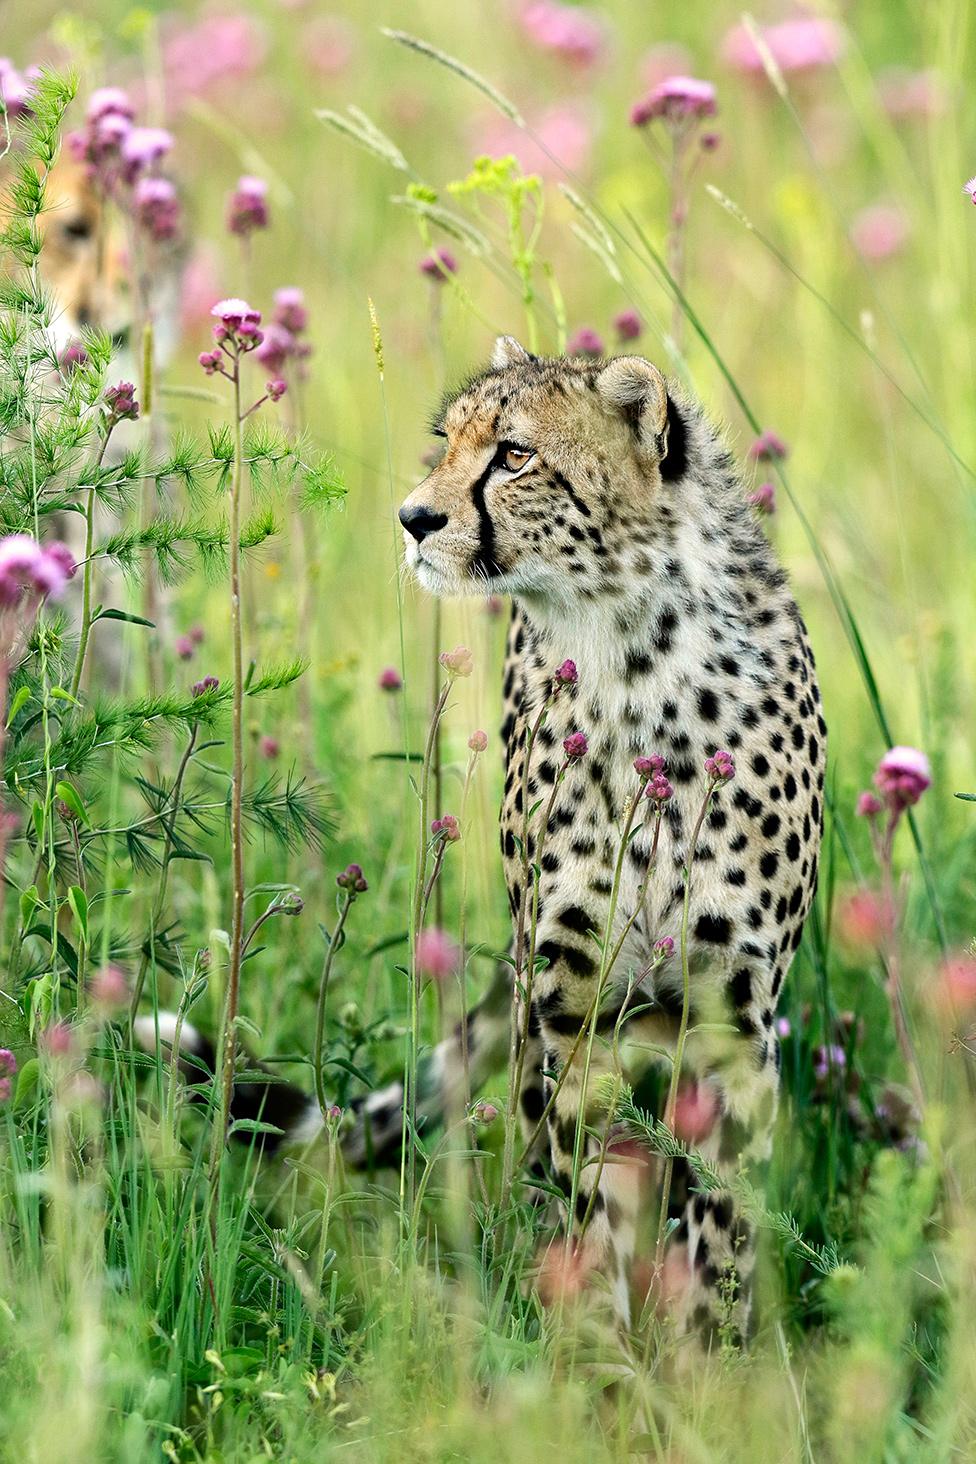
pixel 421 521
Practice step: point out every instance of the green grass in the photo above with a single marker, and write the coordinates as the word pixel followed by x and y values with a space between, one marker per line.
pixel 300 1310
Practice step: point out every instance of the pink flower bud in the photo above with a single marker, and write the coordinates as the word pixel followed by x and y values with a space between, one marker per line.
pixel 575 746
pixel 389 679
pixel 458 662
pixel 720 766
pixel 478 741
pixel 566 674
pixel 436 954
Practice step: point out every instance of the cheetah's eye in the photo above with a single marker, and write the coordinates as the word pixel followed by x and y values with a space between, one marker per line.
pixel 513 458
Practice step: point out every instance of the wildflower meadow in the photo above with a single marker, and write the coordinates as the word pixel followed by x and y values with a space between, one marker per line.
pixel 251 770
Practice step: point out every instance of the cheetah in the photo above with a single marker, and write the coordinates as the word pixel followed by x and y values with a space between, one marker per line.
pixel 600 499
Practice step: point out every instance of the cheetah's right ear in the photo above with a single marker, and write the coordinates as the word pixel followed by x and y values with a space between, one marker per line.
pixel 638 390
pixel 508 352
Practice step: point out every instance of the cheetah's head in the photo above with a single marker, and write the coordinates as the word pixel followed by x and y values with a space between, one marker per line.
pixel 548 483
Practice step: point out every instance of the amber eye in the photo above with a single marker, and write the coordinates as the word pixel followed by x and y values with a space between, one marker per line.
pixel 514 458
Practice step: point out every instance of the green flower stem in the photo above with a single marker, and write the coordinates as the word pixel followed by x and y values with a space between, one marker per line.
pixel 335 943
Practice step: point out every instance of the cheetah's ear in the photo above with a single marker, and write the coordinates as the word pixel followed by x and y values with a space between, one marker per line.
pixel 638 390
pixel 508 352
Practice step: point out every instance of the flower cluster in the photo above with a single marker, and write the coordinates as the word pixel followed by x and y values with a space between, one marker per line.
pixel 799 43
pixel 31 570
pixel 628 325
pixel 247 207
pixel 447 827
pixel 236 333
pixel 764 499
pixel 16 87
pixel 720 766
pixel 677 100
pixel 585 342
pixel 459 662
pixel 478 741
pixel 120 157
pixel 200 688
pixel 352 880
pixel 664 948
pixel 565 675
pixel 121 403
pixel 389 679
pixel 657 788
pixel 768 448
pixel 282 339
pixel 435 954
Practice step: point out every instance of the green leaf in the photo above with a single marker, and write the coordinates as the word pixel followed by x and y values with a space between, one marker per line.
pixel 124 615
pixel 78 901
pixel 23 696
pixel 254 1126
pixel 58 693
pixel 29 901
pixel 27 1081
pixel 69 795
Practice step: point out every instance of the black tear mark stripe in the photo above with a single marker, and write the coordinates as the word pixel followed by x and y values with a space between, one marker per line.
pixel 571 493
pixel 674 463
pixel 484 561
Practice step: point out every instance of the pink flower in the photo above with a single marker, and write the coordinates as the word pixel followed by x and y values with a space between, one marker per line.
pixel 764 498
pixel 868 805
pixel 862 921
pixel 458 662
pixel 566 674
pixel 234 313
pixel 659 790
pixel 646 767
pixel 197 57
pixel 327 44
pixel 276 389
pixel 879 231
pixel 27 567
pixel 695 1111
pixel 15 89
pixel 483 1112
pixel 664 948
pixel 585 342
pixel 628 325
pixel 8 1068
pixel 902 777
pixel 74 354
pixel 210 361
pixel 494 605
pixel 564 131
pixel 954 991
pixel 277 347
pixel 720 766
pixel 569 31
pixel 447 826
pixel 200 688
pixel 907 93
pixel 800 43
pixel 970 189
pixel 247 207
pixel 575 746
pixel 110 987
pixel 827 1060
pixel 768 447
pixel 197 634
pixel 157 208
pixel 57 1040
pixel 142 148
pixel 269 747
pixel 290 311
pixel 783 1028
pixel 478 741
pixel 184 648
pixel 435 954
pixel 109 99
pixel 438 265
pixel 675 99
pixel 389 679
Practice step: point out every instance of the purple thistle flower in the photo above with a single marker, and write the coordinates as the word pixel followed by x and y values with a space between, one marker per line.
pixel 210 361
pixel 585 342
pixel 233 313
pixel 628 325
pixel 720 766
pixel 664 948
pixel 290 311
pixel 200 688
pixel 276 348
pixel 447 825
pixel 247 207
pixel 141 148
pixel 438 265
pixel 276 389
pixel 27 567
pixel 157 208
pixel 575 746
pixel 566 674
pixel 389 679
pixel 768 447
pixel 868 805
pixel 109 99
pixel 902 777
pixel 675 99
pixel 764 498
pixel 970 190
pixel 659 790
pixel 646 767
pixel 74 354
